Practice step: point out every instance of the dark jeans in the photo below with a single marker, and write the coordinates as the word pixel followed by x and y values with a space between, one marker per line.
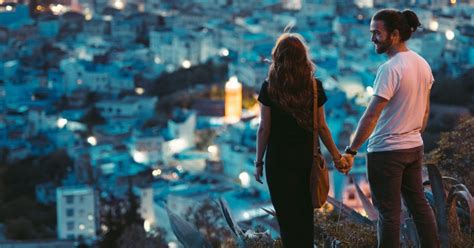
pixel 391 173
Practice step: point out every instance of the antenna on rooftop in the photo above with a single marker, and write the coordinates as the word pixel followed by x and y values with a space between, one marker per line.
pixel 288 27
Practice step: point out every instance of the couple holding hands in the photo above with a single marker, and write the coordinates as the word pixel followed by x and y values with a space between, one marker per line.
pixel 393 122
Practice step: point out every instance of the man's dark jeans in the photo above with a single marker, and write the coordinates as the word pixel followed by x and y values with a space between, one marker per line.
pixel 391 173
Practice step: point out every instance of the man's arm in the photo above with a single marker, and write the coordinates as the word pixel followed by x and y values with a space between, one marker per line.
pixel 368 121
pixel 427 113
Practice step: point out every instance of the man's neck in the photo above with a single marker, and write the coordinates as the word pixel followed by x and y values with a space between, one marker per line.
pixel 396 48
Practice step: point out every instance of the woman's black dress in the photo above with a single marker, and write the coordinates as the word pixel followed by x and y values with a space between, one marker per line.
pixel 287 166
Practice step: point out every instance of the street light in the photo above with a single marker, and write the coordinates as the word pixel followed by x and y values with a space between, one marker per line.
pixel 92 140
pixel 147 226
pixel 157 60
pixel 449 34
pixel 369 90
pixel 139 91
pixel 139 157
pixel 156 172
pixel 61 122
pixel 244 179
pixel 119 4
pixel 434 25
pixel 224 52
pixel 186 64
pixel 212 149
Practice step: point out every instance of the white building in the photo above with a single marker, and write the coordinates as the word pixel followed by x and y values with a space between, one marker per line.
pixel 182 132
pixel 146 149
pixel 40 120
pixel 72 74
pixel 152 6
pixel 169 46
pixel 236 152
pixel 147 210
pixel 77 212
pixel 175 46
pixel 96 79
pixel 128 107
pixel 124 31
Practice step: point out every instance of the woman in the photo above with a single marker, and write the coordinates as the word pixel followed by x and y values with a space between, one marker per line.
pixel 285 133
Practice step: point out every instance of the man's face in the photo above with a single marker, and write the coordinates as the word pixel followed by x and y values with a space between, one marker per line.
pixel 380 37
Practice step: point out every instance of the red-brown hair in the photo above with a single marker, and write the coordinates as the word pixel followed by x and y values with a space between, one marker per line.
pixel 291 77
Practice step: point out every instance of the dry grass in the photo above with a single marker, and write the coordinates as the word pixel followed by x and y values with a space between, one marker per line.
pixel 330 228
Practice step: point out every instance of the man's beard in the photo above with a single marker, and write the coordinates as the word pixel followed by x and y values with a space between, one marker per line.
pixel 383 46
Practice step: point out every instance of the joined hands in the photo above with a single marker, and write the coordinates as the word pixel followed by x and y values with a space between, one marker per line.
pixel 344 164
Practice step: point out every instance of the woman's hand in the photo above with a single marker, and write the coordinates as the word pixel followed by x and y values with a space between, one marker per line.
pixel 258 173
pixel 341 164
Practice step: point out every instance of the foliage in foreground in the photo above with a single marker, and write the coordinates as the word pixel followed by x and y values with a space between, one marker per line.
pixel 455 153
pixel 337 230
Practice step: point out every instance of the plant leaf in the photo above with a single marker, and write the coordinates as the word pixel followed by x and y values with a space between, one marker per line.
pixel 408 228
pixel 368 207
pixel 349 212
pixel 451 180
pixel 269 211
pixel 439 195
pixel 228 218
pixel 187 234
pixel 460 192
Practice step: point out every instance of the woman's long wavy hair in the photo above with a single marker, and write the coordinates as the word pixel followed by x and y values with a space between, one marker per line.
pixel 290 78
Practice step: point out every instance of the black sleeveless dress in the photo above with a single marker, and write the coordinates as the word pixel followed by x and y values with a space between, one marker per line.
pixel 287 166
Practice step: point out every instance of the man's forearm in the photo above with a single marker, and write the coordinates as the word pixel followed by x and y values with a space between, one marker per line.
pixel 368 121
pixel 425 122
pixel 365 128
pixel 427 114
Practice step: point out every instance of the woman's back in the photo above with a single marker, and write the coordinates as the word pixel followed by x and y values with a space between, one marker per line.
pixel 285 131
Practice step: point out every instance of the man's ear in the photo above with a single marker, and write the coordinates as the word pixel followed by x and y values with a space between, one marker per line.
pixel 395 35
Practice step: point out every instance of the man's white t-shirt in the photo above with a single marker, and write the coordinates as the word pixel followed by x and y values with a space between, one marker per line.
pixel 405 81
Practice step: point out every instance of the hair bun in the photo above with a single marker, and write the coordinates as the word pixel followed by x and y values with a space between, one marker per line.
pixel 412 19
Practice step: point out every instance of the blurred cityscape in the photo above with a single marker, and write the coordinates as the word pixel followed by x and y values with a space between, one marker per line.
pixel 103 101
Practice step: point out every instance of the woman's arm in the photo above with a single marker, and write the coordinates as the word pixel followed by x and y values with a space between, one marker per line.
pixel 326 136
pixel 263 132
pixel 262 140
pixel 340 162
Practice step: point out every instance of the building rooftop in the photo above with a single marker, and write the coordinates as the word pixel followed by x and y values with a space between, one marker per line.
pixel 75 190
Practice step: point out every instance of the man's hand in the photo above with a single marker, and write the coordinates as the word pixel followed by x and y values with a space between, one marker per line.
pixel 258 173
pixel 342 165
pixel 349 159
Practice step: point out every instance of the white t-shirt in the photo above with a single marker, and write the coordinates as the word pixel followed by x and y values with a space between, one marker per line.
pixel 405 81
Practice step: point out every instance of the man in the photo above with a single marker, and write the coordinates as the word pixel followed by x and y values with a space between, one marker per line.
pixel 394 120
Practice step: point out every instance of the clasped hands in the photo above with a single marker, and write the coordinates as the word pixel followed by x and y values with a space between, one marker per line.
pixel 344 163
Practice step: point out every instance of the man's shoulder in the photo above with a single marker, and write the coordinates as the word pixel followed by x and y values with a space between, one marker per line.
pixel 389 66
pixel 418 57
